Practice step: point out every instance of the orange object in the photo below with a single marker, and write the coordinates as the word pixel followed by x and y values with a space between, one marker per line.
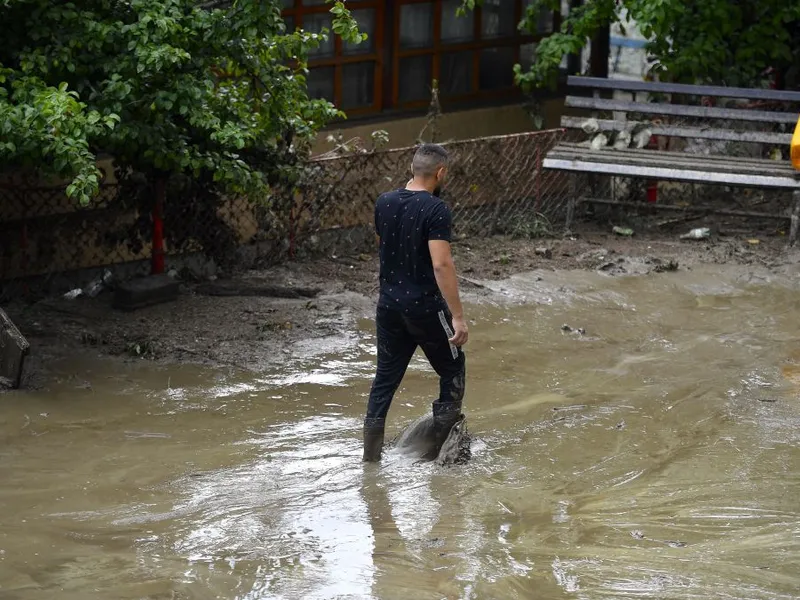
pixel 796 146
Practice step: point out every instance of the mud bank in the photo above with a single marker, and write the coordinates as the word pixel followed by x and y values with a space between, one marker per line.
pixel 252 333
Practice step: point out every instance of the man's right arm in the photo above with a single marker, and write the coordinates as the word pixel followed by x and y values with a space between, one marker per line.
pixel 444 270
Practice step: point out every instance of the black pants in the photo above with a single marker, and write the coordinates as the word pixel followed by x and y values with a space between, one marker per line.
pixel 398 338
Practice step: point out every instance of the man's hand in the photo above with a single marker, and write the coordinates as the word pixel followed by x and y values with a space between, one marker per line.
pixel 460 332
pixel 445 272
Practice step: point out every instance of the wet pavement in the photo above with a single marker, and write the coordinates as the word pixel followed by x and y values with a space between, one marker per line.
pixel 655 456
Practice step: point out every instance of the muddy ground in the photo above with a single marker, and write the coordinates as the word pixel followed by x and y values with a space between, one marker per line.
pixel 252 332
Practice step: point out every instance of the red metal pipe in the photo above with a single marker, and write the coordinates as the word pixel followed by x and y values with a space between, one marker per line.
pixel 652 185
pixel 291 232
pixel 538 205
pixel 25 255
pixel 158 227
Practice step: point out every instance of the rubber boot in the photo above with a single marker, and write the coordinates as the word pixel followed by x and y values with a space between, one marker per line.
pixel 445 415
pixel 373 443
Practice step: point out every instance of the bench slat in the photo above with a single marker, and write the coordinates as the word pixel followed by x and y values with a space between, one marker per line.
pixel 713 160
pixel 680 110
pixel 694 162
pixel 669 173
pixel 682 88
pixel 727 135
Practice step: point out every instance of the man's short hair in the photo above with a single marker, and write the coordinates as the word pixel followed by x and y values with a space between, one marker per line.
pixel 428 159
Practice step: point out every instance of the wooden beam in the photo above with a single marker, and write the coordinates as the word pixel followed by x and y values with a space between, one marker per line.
pixel 695 162
pixel 671 173
pixel 760 137
pixel 680 88
pixel 682 110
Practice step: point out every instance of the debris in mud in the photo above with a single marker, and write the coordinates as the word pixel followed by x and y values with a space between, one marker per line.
pixel 622 231
pixel 568 329
pixel 246 288
pixel 89 338
pixel 639 535
pixel 94 288
pixel 142 349
pixel 472 282
pixel 661 267
pixel 544 252
pixel 594 257
pixel 614 267
pixel 700 233
pixel 503 259
pixel 98 285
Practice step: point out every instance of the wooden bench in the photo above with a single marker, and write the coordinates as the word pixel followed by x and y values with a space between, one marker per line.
pixel 660 165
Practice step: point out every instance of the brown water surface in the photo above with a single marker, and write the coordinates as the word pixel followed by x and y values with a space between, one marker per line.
pixel 657 456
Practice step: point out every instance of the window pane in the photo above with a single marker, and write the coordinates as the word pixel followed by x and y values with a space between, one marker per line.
pixel 497 19
pixel 320 83
pixel 313 2
pixel 416 25
pixel 366 24
pixel 545 23
pixel 456 75
pixel 456 29
pixel 358 85
pixel 288 3
pixel 289 21
pixel 497 68
pixel 416 75
pixel 527 54
pixel 314 23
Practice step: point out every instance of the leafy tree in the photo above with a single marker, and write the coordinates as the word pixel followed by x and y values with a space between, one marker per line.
pixel 214 91
pixel 729 42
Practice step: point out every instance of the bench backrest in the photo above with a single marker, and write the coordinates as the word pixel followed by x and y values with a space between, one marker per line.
pixel 657 87
pixel 684 110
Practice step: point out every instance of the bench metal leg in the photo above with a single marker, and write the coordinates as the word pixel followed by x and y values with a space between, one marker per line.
pixel 572 202
pixel 795 218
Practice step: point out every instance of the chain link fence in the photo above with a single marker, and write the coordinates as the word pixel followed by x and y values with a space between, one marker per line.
pixel 49 244
pixel 495 185
pixel 48 241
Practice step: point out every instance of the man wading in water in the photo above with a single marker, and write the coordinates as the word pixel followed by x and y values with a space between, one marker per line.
pixel 419 303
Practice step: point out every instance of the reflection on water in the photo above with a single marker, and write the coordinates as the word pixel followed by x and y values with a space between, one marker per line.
pixel 657 456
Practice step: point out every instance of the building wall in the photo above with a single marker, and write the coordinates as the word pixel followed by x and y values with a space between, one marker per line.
pixel 455 125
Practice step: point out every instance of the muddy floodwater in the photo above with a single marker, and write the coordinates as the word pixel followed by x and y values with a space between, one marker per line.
pixel 656 456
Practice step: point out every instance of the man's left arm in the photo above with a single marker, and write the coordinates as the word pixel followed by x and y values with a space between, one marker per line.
pixel 377 228
pixel 444 270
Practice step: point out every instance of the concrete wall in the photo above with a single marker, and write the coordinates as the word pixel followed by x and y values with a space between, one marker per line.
pixel 454 125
